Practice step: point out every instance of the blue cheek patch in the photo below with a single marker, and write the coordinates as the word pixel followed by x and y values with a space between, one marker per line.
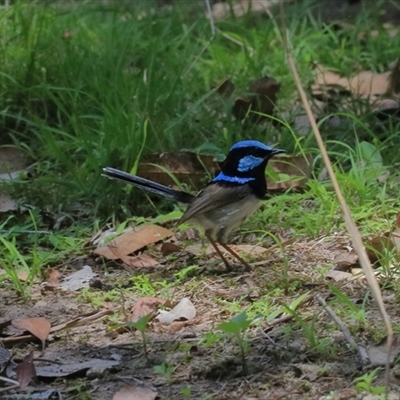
pixel 249 162
pixel 221 177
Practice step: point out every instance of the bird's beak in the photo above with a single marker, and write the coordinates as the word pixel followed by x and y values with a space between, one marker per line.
pixel 277 151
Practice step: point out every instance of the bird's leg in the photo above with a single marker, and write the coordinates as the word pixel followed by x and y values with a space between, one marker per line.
pixel 227 265
pixel 229 250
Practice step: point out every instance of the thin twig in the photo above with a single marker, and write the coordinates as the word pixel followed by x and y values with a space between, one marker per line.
pixel 8 380
pixel 361 351
pixel 210 17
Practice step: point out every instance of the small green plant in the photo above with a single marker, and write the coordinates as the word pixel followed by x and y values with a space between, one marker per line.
pixel 364 383
pixel 13 263
pixel 186 392
pixel 141 326
pixel 166 369
pixel 236 327
pixel 354 311
pixel 184 272
pixel 210 338
pixel 307 328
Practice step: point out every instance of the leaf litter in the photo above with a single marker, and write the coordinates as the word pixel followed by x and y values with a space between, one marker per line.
pixel 89 346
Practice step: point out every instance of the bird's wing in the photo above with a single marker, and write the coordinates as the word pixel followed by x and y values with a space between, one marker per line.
pixel 213 197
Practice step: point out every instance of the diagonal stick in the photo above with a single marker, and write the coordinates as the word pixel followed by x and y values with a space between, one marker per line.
pixel 350 224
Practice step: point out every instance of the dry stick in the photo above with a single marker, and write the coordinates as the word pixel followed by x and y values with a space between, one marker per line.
pixel 197 58
pixel 350 225
pixel 361 351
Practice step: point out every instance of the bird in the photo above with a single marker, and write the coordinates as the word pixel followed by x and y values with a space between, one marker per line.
pixel 226 201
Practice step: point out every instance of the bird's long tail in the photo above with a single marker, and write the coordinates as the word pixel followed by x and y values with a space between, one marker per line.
pixel 149 186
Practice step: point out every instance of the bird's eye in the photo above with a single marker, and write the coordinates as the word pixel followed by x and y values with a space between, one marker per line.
pixel 249 162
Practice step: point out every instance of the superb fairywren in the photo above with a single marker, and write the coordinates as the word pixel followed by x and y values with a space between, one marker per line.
pixel 233 195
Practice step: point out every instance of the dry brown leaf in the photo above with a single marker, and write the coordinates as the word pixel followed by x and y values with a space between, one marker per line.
pixel 25 371
pixel 186 167
pixel 367 83
pixel 364 84
pixel 54 277
pixel 338 276
pixel 377 246
pixel 170 248
pixel 297 168
pixel 225 87
pixel 346 258
pixel 145 306
pixel 247 249
pixel 23 275
pixel 199 250
pixel 140 261
pixel 262 99
pixel 132 241
pixel 129 392
pixel 39 327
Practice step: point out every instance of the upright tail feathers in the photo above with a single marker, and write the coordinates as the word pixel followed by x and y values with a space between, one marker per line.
pixel 149 186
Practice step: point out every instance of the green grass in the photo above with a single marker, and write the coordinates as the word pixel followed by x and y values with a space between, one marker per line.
pixel 88 86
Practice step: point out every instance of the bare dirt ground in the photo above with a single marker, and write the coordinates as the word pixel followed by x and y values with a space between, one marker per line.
pixel 283 361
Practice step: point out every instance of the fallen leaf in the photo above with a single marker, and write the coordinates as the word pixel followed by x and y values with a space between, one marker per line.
pixel 183 311
pixel 39 327
pixel 168 248
pixel 5 357
pixel 54 277
pixel 78 280
pixel 338 276
pixel 129 392
pixel 296 169
pixel 186 167
pixel 141 261
pixel 57 371
pixel 225 87
pixel 132 241
pixel 25 371
pixel 145 306
pixel 378 353
pixel 262 99
pixel 23 275
pixel 346 258
pixel 12 160
pixel 309 372
pixel 378 245
pixel 200 250
pixel 7 203
pixel 247 249
pixel 364 84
